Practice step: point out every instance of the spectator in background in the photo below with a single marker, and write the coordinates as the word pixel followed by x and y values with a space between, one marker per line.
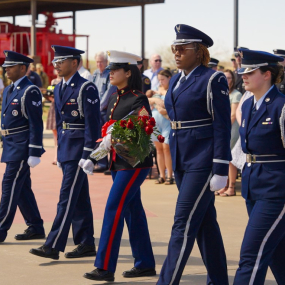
pixel 156 102
pixel 235 97
pixel 155 63
pixel 146 84
pixel 83 71
pixel 101 79
pixel 239 85
pixel 4 78
pixel 34 77
pixel 42 75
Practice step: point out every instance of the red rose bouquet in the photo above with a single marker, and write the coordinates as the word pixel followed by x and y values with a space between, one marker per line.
pixel 130 138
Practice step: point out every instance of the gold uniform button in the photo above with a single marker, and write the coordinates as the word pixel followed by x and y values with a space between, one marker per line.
pixel 3 115
pixel 110 117
pixel 63 132
pixel 112 110
pixel 115 104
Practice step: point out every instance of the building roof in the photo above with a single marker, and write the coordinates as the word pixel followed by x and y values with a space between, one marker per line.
pixel 23 7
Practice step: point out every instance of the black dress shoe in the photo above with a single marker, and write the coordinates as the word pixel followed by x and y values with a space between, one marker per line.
pixel 82 250
pixel 137 272
pixel 45 251
pixel 100 275
pixel 29 234
pixel 99 169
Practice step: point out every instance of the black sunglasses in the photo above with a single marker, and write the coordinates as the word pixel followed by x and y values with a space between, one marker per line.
pixel 158 60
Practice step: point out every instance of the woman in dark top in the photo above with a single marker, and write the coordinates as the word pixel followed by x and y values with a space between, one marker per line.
pixel 124 201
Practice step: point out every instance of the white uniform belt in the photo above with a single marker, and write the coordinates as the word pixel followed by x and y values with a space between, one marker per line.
pixel 177 125
pixel 71 126
pixel 13 131
pixel 264 158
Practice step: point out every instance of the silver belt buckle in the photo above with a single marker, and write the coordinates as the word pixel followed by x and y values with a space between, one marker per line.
pixel 65 126
pixel 251 158
pixel 173 125
pixel 4 133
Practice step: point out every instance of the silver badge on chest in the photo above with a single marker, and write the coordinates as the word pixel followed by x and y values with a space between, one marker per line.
pixel 15 113
pixel 74 113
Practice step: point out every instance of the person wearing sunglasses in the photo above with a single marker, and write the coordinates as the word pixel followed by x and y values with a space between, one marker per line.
pixel 197 103
pixel 239 85
pixel 281 85
pixel 155 63
pixel 77 110
pixel 262 133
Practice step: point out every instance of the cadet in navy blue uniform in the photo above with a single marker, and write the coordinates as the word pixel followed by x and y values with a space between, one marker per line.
pixel 124 201
pixel 197 104
pixel 77 108
pixel 146 83
pixel 281 85
pixel 22 135
pixel 213 63
pixel 262 135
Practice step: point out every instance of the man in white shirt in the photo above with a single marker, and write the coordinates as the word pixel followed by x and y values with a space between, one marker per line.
pixel 83 71
pixel 155 63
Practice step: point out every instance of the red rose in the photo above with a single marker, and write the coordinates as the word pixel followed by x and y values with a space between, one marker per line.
pixel 130 124
pixel 151 122
pixel 123 123
pixel 160 138
pixel 148 130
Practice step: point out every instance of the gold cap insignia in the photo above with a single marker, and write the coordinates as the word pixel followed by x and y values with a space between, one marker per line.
pixel 53 48
pixel 6 53
pixel 178 28
pixel 108 53
pixel 241 54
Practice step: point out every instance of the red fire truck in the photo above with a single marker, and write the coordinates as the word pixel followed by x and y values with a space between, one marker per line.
pixel 18 39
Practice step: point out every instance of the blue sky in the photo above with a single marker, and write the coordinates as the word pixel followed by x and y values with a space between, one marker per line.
pixel 261 25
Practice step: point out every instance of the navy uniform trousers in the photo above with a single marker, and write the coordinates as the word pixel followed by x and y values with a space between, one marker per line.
pixel 195 218
pixel 124 203
pixel 74 208
pixel 264 243
pixel 17 191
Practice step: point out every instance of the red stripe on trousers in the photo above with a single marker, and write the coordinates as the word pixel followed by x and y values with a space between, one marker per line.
pixel 117 218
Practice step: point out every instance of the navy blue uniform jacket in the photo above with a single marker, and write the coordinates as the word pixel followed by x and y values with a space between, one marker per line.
pixel 207 146
pixel 264 134
pixel 15 114
pixel 83 110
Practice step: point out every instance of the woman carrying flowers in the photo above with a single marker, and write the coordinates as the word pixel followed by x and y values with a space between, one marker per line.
pixel 130 143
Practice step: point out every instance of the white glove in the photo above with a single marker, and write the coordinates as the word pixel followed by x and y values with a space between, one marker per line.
pixel 88 167
pixel 218 182
pixel 107 142
pixel 58 164
pixel 33 161
pixel 81 162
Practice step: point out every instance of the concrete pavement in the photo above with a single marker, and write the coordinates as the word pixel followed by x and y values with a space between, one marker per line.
pixel 18 267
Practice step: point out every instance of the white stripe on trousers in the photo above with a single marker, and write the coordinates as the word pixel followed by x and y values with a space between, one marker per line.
pixel 259 255
pixel 12 193
pixel 187 230
pixel 67 208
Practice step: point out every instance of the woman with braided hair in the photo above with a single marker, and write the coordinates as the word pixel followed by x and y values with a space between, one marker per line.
pixel 262 134
pixel 197 103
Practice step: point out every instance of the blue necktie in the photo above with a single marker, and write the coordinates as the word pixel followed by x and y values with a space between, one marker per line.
pixel 181 81
pixel 11 89
pixel 253 111
pixel 63 90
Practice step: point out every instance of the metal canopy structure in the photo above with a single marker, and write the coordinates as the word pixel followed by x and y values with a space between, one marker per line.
pixel 34 7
